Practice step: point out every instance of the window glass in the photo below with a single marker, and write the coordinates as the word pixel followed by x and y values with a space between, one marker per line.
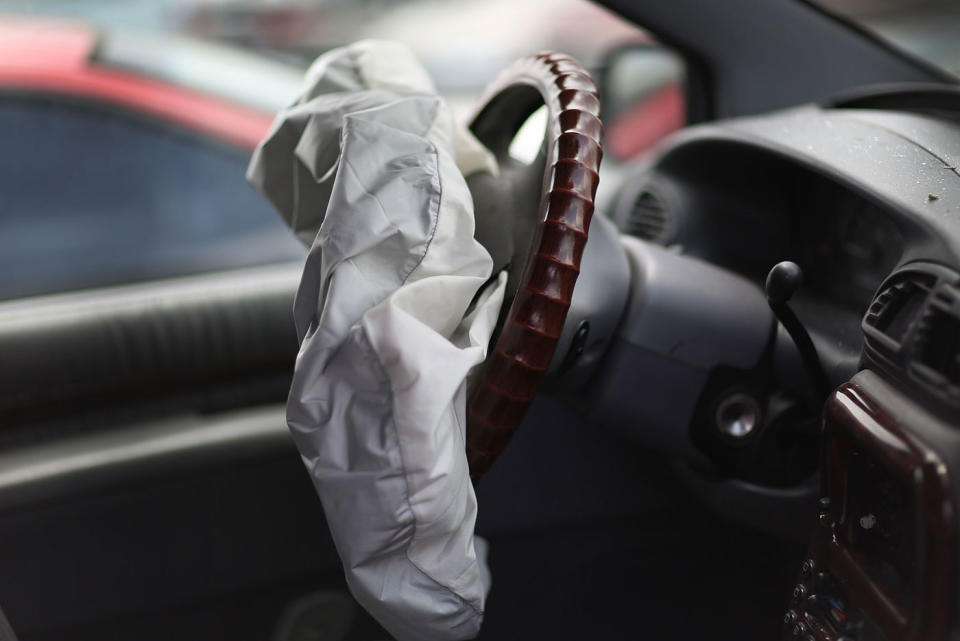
pixel 92 197
pixel 925 28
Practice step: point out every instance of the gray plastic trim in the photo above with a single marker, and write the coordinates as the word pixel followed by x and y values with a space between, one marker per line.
pixel 600 298
pixel 785 511
pixel 684 318
pixel 693 312
pixel 107 346
pixel 90 462
pixel 769 54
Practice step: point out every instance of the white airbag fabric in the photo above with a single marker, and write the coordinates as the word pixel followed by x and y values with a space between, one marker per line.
pixel 367 168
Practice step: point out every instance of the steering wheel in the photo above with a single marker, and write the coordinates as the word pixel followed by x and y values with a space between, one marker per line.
pixel 534 220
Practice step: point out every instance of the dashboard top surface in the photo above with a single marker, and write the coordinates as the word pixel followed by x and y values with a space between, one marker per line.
pixel 851 195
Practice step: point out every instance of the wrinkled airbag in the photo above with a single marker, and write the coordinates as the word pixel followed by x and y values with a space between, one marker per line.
pixel 367 169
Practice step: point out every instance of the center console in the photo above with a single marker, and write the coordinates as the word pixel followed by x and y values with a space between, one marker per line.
pixel 882 565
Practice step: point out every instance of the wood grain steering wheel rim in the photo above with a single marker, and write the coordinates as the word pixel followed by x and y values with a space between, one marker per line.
pixel 570 158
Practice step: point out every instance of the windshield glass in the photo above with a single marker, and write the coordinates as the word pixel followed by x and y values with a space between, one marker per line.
pixel 929 29
pixel 462 44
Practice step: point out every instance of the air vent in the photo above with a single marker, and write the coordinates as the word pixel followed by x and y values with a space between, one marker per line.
pixel 912 332
pixel 895 308
pixel 936 347
pixel 650 219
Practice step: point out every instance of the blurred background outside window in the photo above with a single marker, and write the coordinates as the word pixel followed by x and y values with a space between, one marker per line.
pixel 929 29
pixel 127 124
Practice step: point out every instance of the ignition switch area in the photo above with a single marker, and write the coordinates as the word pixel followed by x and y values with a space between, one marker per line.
pixel 737 416
pixel 690 371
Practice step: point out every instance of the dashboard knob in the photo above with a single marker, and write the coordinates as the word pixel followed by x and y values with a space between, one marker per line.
pixel 783 281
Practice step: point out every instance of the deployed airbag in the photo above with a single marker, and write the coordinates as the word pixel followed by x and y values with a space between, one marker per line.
pixel 396 305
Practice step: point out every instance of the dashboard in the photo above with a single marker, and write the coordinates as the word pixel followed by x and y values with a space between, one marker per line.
pixel 756 191
pixel 867 203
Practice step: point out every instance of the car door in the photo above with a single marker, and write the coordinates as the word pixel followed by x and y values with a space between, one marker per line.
pixel 94 195
pixel 148 484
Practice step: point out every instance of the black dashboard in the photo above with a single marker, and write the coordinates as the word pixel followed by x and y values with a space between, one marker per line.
pixel 867 203
pixel 806 185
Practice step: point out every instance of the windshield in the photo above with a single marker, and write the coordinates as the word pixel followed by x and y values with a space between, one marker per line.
pixel 929 29
pixel 462 44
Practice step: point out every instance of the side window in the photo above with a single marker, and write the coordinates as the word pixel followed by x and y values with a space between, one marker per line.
pixel 90 196
pixel 642 89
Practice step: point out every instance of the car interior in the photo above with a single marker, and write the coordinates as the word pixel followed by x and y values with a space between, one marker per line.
pixel 748 429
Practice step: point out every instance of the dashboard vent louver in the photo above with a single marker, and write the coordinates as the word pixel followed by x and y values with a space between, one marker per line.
pixel 649 219
pixel 896 306
pixel 912 332
pixel 936 349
